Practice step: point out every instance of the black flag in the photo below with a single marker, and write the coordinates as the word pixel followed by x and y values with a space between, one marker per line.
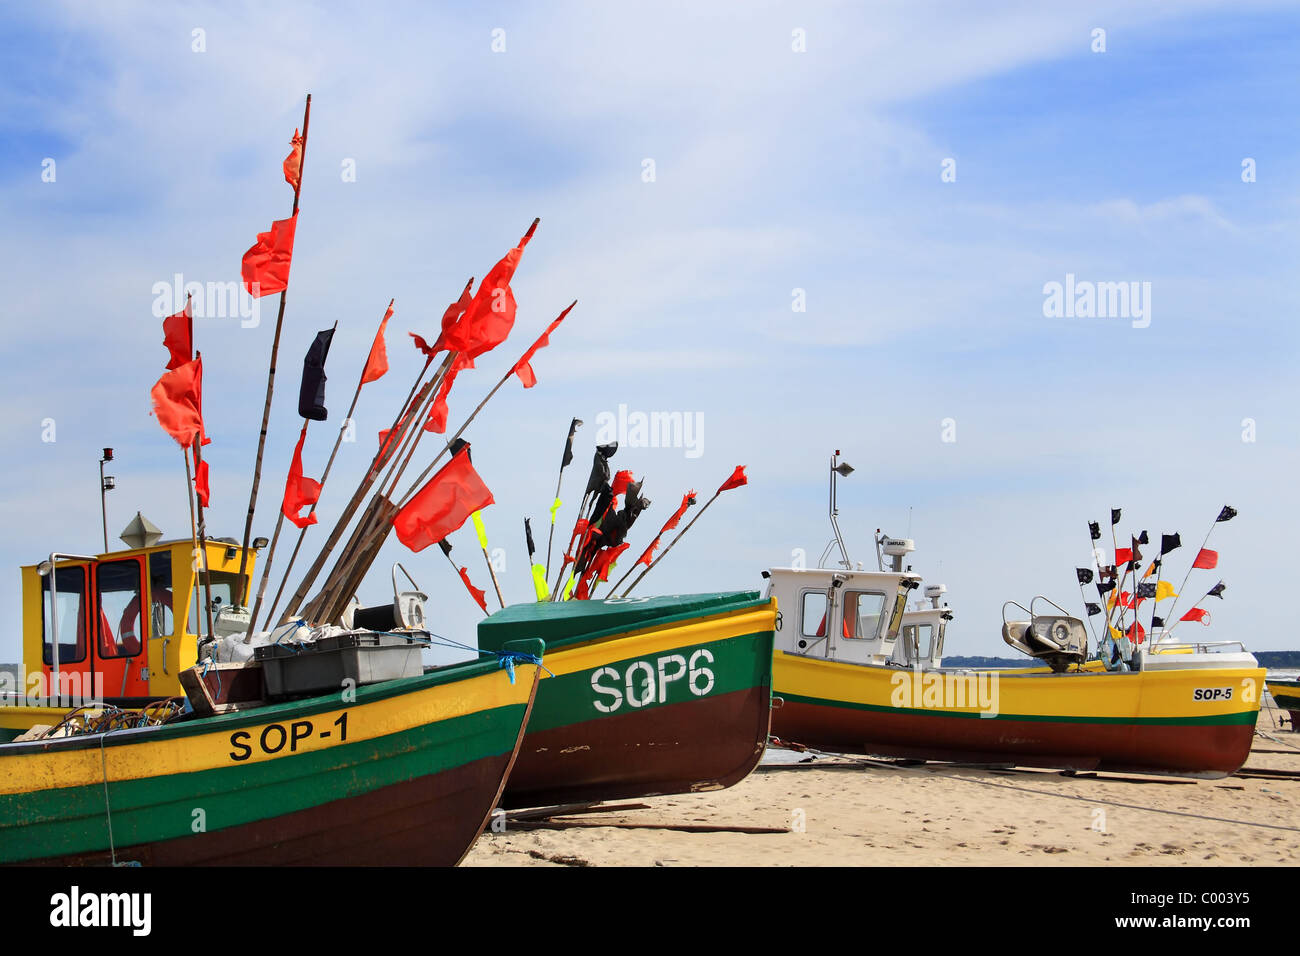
pixel 599 472
pixel 311 394
pixel 607 451
pixel 1146 589
pixel 1157 622
pixel 1084 575
pixel 1227 514
pixel 1102 588
pixel 1114 516
pixel 1217 590
pixel 446 547
pixel 1169 542
pixel 1094 529
pixel 528 533
pixel 1092 608
pixel 568 445
pixel 1143 539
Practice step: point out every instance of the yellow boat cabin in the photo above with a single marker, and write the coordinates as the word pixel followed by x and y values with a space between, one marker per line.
pixel 116 628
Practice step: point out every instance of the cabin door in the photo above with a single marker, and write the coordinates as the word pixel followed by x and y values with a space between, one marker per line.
pixel 120 646
pixel 67 615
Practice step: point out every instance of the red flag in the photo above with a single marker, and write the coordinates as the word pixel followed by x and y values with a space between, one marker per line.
pixel 1197 614
pixel 736 480
pixel 647 556
pixel 443 504
pixel 377 362
pixel 176 336
pixel 452 313
pixel 477 594
pixel 201 480
pixel 489 317
pixel 619 485
pixel 299 491
pixel 293 162
pixel 384 450
pixel 1206 559
pixel 525 370
pixel 177 402
pixel 437 420
pixel 266 264
pixel 1123 555
pixel 1136 633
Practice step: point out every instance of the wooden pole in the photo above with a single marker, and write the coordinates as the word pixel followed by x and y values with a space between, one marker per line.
pixel 270 380
pixel 194 533
pixel 358 495
pixel 663 554
pixel 302 532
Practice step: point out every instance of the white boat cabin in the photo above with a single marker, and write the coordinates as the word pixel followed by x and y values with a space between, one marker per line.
pixel 840 614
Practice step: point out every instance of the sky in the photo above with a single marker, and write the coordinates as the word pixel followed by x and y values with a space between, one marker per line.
pixel 809 227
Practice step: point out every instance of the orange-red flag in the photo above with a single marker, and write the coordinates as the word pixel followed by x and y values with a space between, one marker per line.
pixel 293 162
pixel 522 368
pixel 177 338
pixel 299 491
pixel 265 267
pixel 737 479
pixel 489 317
pixel 177 402
pixel 377 361
pixel 477 594
pixel 444 504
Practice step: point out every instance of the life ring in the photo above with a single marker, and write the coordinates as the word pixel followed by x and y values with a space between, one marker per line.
pixel 128 641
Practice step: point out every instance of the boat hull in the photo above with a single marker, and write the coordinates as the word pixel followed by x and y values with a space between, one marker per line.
pixel 677 708
pixel 1286 694
pixel 1152 722
pixel 407 774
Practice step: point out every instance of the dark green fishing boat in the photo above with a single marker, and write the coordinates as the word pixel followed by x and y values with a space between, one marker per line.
pixel 642 696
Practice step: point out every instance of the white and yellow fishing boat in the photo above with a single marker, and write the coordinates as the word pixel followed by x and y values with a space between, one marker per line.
pixel 845 684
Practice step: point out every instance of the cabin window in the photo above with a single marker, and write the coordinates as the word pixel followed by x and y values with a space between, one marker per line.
pixel 71 584
pixel 814 614
pixel 121 625
pixel 161 601
pixel 224 586
pixel 937 651
pixel 862 610
pixel 896 619
pixel 920 639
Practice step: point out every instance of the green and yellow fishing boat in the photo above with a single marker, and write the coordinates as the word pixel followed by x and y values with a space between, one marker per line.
pixel 1286 694
pixel 641 696
pixel 405 772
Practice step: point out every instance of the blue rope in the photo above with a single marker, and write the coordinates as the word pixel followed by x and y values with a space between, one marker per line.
pixel 506 660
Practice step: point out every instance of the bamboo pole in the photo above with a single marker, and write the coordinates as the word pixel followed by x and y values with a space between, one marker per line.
pixel 663 554
pixel 194 532
pixel 358 495
pixel 270 379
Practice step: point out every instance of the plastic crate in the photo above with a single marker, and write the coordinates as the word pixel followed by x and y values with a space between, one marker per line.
pixel 296 670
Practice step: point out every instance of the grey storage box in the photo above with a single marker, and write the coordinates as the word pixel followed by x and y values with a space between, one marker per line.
pixel 295 670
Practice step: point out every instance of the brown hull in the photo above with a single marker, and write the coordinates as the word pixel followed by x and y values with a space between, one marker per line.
pixel 1213 751
pixel 413 823
pixel 677 748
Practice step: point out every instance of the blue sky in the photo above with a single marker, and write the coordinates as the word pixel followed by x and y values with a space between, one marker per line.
pixel 775 170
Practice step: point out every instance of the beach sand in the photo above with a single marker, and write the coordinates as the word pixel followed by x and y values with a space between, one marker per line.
pixel 837 812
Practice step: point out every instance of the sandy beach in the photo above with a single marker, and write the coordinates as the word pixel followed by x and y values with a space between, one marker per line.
pixel 834 811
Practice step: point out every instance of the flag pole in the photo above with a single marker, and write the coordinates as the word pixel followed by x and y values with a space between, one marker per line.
pixel 270 378
pixel 203 525
pixel 302 532
pixel 1192 566
pixel 194 530
pixel 279 523
pixel 663 554
pixel 564 460
pixel 358 495
pixel 482 542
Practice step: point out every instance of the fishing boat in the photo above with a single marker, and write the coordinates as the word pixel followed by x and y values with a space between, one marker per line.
pixel 1286 694
pixel 1186 708
pixel 406 772
pixel 642 696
